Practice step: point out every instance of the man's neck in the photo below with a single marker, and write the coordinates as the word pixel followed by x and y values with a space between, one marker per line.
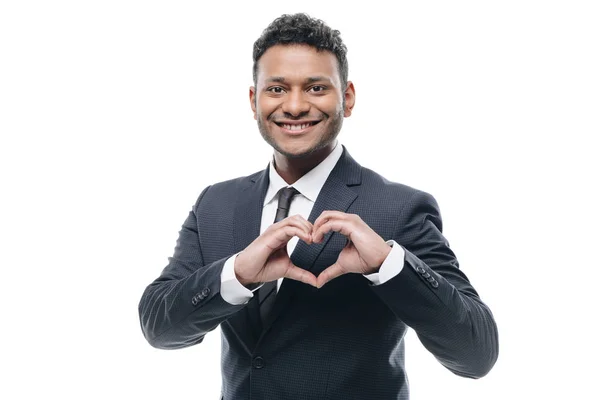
pixel 293 169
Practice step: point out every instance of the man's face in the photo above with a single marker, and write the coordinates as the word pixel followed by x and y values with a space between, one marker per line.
pixel 299 102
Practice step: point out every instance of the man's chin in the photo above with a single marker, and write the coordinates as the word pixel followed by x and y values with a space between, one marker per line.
pixel 298 151
pixel 294 152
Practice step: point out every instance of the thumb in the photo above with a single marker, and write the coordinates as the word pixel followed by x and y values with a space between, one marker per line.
pixel 300 274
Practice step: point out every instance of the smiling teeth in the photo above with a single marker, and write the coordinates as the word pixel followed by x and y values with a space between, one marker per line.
pixel 295 127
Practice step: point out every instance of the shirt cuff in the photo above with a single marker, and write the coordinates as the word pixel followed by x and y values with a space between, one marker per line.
pixel 391 266
pixel 232 290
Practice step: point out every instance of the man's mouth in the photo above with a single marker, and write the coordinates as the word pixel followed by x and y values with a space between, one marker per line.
pixel 297 126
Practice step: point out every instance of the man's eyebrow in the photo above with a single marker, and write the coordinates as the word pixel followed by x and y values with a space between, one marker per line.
pixel 312 79
pixel 277 79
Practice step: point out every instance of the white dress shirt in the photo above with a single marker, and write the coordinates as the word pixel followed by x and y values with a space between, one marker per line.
pixel 309 187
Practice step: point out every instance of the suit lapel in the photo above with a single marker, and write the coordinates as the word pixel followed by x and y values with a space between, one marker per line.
pixel 246 228
pixel 334 195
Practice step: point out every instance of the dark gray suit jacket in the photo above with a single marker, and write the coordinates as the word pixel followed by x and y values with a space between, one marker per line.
pixel 341 342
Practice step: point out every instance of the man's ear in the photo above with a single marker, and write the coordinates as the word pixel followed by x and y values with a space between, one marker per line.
pixel 349 99
pixel 253 100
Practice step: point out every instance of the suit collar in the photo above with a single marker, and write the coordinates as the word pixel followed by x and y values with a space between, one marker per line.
pixel 308 185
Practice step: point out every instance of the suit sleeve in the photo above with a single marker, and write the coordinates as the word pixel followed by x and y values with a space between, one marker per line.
pixel 184 302
pixel 435 298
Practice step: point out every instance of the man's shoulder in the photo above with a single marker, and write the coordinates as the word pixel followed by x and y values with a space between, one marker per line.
pixel 229 187
pixel 237 183
pixel 394 195
pixel 372 180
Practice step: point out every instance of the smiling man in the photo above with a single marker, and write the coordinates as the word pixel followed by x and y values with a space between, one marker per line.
pixel 299 101
pixel 315 267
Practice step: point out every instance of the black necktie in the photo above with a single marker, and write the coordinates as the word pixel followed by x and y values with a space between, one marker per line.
pixel 267 293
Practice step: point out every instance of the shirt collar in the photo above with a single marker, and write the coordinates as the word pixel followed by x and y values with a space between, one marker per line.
pixel 308 185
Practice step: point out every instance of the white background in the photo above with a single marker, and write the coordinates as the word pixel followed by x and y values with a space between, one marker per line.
pixel 114 116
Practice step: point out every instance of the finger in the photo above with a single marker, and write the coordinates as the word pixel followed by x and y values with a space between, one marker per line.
pixel 301 275
pixel 336 225
pixel 304 222
pixel 326 216
pixel 321 219
pixel 278 238
pixel 329 216
pixel 328 274
pixel 296 220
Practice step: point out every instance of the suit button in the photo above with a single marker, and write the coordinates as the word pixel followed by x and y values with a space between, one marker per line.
pixel 258 362
pixel 196 299
pixel 420 269
pixel 205 292
pixel 435 284
pixel 426 275
pixel 430 279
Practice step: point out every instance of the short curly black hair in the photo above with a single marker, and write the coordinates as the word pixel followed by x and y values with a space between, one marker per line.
pixel 302 29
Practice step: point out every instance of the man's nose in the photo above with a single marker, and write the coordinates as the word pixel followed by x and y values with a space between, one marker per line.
pixel 295 103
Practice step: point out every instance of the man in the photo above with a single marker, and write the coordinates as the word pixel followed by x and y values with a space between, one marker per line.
pixel 368 258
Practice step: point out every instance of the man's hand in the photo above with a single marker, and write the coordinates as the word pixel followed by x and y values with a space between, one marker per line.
pixel 266 259
pixel 364 253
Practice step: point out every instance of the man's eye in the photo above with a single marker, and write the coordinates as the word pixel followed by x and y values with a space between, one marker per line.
pixel 276 89
pixel 317 88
